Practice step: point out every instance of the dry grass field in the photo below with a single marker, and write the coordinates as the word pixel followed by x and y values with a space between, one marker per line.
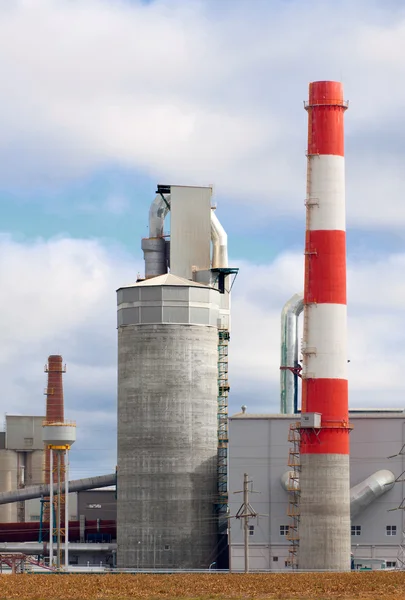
pixel 375 585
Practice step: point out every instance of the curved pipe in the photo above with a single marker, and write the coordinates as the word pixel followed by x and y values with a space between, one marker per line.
pixel 155 248
pixel 219 244
pixel 157 214
pixel 77 485
pixel 362 494
pixel 289 354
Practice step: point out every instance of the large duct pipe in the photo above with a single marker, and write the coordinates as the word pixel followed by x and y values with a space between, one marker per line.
pixel 361 495
pixel 219 244
pixel 290 354
pixel 38 548
pixel 155 247
pixel 325 472
pixel 37 491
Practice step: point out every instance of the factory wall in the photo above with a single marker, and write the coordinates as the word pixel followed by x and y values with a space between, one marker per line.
pixel 259 446
pixel 24 433
pixel 33 508
pixel 21 464
pixel 97 504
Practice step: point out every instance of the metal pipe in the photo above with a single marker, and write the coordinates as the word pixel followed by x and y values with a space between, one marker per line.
pixel 361 495
pixel 58 474
pixel 290 354
pixel 38 548
pixel 157 214
pixel 219 243
pixel 154 247
pixel 77 485
pixel 50 508
pixel 66 510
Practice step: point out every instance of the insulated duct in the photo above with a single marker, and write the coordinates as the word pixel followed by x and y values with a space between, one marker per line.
pixel 39 548
pixel 219 244
pixel 290 354
pixel 361 495
pixel 157 250
pixel 37 491
pixel 154 247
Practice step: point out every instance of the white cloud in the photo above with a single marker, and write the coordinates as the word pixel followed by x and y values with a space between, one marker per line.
pixel 115 205
pixel 58 296
pixel 376 311
pixel 201 92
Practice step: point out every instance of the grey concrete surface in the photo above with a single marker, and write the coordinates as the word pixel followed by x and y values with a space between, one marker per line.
pixel 167 445
pixel 324 530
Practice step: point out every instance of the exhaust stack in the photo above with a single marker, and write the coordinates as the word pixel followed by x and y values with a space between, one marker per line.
pixel 290 366
pixel 324 532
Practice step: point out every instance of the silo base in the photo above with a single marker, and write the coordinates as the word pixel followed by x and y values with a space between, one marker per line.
pixel 324 529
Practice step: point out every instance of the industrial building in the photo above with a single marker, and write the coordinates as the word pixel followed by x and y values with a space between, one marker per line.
pixel 22 464
pixel 261 445
pixel 173 334
pixel 330 481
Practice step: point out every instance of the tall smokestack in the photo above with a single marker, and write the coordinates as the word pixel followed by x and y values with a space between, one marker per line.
pixel 54 410
pixel 324 529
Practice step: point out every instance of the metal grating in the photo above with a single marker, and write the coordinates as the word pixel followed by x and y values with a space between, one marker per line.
pixel 223 391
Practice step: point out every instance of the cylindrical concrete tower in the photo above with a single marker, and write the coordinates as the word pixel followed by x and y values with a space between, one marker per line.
pixel 324 529
pixel 167 424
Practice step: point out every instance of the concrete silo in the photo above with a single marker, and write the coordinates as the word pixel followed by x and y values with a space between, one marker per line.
pixel 169 501
pixel 167 423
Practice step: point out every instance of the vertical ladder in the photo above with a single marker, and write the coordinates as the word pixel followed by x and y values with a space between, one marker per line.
pixel 293 510
pixel 222 415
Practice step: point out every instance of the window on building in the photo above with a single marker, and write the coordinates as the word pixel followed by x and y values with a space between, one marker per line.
pixel 287 564
pixel 251 529
pixel 275 558
pixel 35 518
pixel 167 547
pixel 391 564
pixel 356 529
pixel 391 530
pixel 284 529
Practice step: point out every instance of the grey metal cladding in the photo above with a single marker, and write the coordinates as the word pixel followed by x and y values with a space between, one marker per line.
pixel 128 316
pixel 176 314
pixel 151 314
pixel 202 295
pixel 151 293
pixel 175 293
pixel 200 315
pixel 130 294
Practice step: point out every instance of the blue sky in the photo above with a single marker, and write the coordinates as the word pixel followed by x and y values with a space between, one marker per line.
pixel 102 100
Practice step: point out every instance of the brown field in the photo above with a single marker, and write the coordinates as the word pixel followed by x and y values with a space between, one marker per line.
pixel 375 585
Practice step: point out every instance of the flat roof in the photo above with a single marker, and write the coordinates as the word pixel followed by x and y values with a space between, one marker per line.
pixel 356 413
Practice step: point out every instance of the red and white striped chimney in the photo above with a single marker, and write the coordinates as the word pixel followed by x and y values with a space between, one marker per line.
pixel 324 528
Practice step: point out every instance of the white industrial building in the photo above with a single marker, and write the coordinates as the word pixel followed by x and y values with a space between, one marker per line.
pixel 22 464
pixel 259 446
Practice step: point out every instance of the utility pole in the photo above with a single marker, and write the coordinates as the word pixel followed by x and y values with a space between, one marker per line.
pixel 400 562
pixel 246 512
